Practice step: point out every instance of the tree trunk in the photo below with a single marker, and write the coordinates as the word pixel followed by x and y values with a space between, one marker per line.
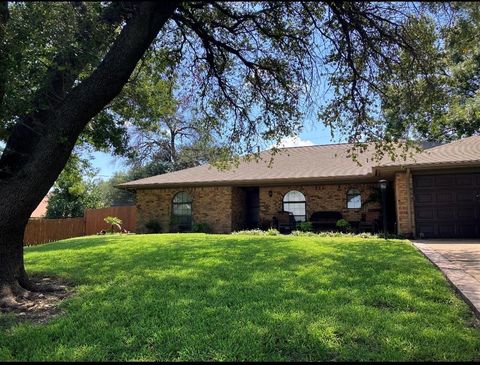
pixel 13 278
pixel 173 152
pixel 41 143
pixel 11 255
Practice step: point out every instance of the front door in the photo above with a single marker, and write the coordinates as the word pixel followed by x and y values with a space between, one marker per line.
pixel 252 207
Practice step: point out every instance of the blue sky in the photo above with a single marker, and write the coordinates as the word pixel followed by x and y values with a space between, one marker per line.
pixel 313 133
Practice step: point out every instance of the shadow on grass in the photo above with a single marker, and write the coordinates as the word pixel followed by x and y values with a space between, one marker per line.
pixel 208 297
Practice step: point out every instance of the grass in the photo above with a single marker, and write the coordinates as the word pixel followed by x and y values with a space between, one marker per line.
pixel 187 297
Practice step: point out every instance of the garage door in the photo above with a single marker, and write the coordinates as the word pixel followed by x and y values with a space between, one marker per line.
pixel 447 206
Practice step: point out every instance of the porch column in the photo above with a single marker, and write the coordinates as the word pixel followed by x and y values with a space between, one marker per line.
pixel 404 204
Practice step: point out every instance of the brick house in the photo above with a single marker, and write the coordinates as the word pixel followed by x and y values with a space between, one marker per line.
pixel 435 193
pixel 41 210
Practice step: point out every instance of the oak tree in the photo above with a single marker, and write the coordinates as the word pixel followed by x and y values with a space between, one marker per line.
pixel 253 67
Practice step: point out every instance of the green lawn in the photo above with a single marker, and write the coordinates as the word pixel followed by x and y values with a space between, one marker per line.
pixel 229 297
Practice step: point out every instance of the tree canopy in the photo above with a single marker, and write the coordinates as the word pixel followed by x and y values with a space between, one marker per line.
pixel 440 101
pixel 250 71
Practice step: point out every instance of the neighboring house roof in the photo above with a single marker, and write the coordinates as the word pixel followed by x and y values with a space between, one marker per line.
pixel 41 209
pixel 301 164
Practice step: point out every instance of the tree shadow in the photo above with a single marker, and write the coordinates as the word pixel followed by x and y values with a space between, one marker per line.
pixel 207 297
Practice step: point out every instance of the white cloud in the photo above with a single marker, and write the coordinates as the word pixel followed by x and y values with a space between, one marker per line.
pixel 294 141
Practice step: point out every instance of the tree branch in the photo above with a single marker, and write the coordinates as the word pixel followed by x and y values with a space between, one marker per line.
pixel 27 151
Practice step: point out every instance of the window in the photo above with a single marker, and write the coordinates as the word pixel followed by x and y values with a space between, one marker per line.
pixel 354 199
pixel 182 211
pixel 294 202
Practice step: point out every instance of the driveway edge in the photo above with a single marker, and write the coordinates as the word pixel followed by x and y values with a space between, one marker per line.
pixel 465 284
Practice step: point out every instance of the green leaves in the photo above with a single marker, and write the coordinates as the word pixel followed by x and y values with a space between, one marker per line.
pixel 437 99
pixel 75 190
pixel 249 72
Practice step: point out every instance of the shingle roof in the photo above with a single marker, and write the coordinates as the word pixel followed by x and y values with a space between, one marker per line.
pixel 460 152
pixel 294 163
pixel 322 162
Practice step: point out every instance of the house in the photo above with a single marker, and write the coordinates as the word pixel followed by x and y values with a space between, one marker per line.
pixel 41 209
pixel 435 193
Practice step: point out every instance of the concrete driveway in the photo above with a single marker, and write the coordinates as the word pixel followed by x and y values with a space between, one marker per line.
pixel 459 260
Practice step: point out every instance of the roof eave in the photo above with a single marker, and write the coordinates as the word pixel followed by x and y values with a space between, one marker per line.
pixel 256 182
pixel 427 165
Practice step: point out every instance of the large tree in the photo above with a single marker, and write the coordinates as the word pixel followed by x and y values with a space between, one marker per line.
pixel 252 67
pixel 441 102
pixel 164 125
pixel 40 141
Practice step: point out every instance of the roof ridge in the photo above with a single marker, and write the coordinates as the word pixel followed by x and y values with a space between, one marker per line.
pixel 313 145
pixel 450 143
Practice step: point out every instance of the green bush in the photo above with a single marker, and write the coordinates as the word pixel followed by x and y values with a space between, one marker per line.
pixel 305 226
pixel 272 232
pixel 153 226
pixel 201 228
pixel 113 222
pixel 336 234
pixel 344 225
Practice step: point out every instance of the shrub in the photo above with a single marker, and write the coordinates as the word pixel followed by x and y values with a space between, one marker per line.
pixel 344 225
pixel 114 222
pixel 305 227
pixel 153 226
pixel 201 228
pixel 272 232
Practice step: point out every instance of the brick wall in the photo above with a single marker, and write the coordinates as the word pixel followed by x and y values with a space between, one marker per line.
pixel 211 205
pixel 320 198
pixel 404 203
pixel 223 208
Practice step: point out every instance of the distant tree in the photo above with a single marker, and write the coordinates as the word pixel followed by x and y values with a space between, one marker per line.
pixel 114 196
pixel 438 101
pixel 74 191
pixel 162 116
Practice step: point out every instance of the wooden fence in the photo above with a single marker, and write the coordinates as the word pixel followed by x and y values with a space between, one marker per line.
pixel 41 230
pixel 94 222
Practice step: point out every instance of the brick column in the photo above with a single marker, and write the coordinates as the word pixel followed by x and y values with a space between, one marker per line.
pixel 404 202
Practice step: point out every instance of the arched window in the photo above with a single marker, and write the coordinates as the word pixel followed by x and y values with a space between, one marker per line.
pixel 294 201
pixel 354 199
pixel 182 211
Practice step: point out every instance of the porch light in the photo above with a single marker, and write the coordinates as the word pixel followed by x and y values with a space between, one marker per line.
pixel 270 193
pixel 383 184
